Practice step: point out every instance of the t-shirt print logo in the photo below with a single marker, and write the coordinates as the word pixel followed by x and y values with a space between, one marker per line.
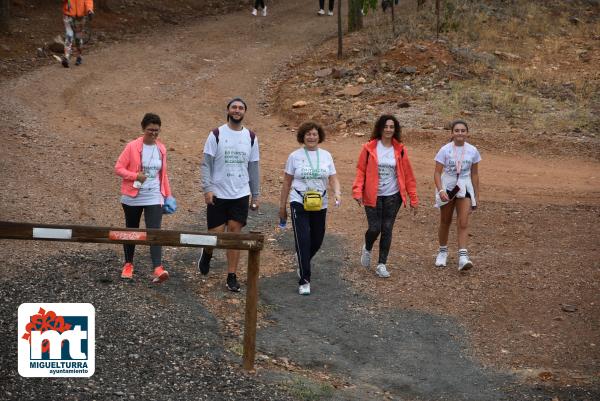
pixel 56 340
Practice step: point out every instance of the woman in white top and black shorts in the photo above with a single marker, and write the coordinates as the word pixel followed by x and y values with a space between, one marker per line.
pixel 308 172
pixel 456 180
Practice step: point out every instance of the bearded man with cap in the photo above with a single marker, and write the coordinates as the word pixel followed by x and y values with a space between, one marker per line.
pixel 230 181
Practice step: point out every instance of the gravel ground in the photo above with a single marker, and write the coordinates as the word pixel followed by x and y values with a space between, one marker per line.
pixel 152 342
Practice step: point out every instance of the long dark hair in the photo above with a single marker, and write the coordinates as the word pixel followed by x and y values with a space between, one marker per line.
pixel 380 125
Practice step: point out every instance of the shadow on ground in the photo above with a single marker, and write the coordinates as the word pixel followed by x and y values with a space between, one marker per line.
pixel 398 353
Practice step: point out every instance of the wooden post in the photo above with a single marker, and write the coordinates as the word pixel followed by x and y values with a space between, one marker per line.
pixel 355 22
pixel 393 20
pixel 4 14
pixel 251 307
pixel 340 31
pixel 437 19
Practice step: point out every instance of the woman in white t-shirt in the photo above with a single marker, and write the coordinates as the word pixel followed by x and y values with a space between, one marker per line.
pixel 144 188
pixel 456 180
pixel 308 173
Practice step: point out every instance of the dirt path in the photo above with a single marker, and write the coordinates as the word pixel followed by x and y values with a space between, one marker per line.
pixel 63 129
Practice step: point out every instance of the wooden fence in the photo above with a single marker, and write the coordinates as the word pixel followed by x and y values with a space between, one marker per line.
pixel 252 242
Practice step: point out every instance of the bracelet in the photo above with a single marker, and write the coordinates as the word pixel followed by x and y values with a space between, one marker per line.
pixel 441 190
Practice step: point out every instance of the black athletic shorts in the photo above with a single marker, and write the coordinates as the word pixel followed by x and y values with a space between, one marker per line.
pixel 223 210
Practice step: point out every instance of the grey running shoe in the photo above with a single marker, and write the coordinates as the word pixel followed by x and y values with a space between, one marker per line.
pixel 365 257
pixel 381 271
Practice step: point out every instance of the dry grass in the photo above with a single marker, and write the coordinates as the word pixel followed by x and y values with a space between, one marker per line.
pixel 540 78
pixel 495 97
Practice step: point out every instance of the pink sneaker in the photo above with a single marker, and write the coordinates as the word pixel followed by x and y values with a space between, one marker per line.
pixel 160 275
pixel 127 271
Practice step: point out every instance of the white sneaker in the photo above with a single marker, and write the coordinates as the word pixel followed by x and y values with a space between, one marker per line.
pixel 365 257
pixel 254 11
pixel 264 11
pixel 464 263
pixel 441 259
pixel 321 12
pixel 382 271
pixel 330 13
pixel 304 289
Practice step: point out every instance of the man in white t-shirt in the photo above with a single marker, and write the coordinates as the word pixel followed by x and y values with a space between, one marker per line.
pixel 230 175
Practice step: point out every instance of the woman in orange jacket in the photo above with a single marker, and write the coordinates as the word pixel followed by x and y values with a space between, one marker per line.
pixel 75 15
pixel 384 180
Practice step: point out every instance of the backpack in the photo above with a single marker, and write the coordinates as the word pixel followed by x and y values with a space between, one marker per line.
pixel 215 132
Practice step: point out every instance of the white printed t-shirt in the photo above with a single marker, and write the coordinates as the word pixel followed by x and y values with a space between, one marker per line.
pixel 388 176
pixel 149 192
pixel 305 178
pixel 231 155
pixel 448 156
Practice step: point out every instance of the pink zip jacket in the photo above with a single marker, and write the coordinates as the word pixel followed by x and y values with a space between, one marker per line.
pixel 130 163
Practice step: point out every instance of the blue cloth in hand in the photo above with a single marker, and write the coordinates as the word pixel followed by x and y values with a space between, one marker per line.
pixel 170 205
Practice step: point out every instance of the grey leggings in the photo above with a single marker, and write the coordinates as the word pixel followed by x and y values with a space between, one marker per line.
pixel 153 219
pixel 381 219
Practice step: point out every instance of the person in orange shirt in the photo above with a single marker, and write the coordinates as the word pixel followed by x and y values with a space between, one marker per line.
pixel 75 16
pixel 384 180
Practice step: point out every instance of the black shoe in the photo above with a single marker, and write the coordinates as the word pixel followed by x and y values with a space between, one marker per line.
pixel 204 262
pixel 79 60
pixel 232 284
pixel 64 61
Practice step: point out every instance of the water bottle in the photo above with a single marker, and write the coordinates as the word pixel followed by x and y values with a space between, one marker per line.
pixel 282 223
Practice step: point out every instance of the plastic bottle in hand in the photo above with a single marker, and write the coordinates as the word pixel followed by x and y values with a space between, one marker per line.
pixel 282 224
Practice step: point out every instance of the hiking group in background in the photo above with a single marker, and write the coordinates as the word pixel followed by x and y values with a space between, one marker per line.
pixel 322 7
pixel 260 5
pixel 76 13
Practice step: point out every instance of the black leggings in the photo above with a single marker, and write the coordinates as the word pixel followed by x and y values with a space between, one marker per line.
pixel 322 4
pixel 259 4
pixel 153 219
pixel 381 219
pixel 309 231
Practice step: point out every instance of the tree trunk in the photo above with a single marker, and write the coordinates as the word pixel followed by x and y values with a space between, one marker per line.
pixel 355 22
pixel 4 14
pixel 101 5
pixel 437 19
pixel 393 20
pixel 339 22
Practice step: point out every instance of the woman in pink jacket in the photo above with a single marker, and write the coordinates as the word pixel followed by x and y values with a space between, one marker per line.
pixel 145 185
